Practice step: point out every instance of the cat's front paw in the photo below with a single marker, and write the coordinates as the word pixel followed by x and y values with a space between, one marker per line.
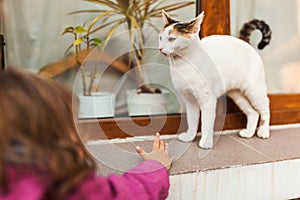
pixel 206 144
pixel 263 133
pixel 186 137
pixel 245 133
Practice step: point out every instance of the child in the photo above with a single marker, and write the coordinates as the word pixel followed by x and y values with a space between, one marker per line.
pixel 42 157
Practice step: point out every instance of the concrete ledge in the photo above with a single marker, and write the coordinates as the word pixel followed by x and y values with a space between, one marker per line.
pixel 235 168
pixel 268 181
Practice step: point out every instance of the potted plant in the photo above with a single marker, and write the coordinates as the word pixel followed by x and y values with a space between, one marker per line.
pixel 134 14
pixel 93 104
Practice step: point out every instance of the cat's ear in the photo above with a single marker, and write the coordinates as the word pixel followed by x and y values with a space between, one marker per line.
pixel 167 19
pixel 196 23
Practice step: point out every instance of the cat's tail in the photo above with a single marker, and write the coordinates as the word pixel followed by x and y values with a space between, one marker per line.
pixel 252 25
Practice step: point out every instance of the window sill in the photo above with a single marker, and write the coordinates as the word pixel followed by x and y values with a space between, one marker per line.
pixel 234 164
pixel 285 109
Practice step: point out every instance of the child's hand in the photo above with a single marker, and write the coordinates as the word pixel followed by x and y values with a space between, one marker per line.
pixel 160 152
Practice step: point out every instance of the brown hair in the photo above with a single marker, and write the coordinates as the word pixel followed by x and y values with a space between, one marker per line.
pixel 36 114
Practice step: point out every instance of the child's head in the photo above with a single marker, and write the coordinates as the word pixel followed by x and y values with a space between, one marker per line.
pixel 37 127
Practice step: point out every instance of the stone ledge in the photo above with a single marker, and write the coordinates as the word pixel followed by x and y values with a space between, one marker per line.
pixel 234 164
pixel 268 181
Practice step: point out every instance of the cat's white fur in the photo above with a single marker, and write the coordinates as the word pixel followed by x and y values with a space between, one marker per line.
pixel 203 70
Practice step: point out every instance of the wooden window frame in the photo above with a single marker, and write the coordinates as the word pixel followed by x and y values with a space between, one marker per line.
pixel 284 108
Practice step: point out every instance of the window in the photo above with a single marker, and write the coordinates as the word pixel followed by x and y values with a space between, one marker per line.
pixel 285 108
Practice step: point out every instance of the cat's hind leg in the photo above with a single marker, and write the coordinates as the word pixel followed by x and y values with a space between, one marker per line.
pixel 252 115
pixel 193 114
pixel 260 102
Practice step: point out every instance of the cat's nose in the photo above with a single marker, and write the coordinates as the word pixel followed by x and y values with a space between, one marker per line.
pixel 160 49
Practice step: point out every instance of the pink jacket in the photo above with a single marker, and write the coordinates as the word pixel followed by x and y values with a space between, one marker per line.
pixel 148 180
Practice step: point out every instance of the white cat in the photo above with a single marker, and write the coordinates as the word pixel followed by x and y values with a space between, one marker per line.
pixel 203 70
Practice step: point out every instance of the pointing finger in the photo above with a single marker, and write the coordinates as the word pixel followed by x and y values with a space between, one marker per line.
pixel 161 145
pixel 156 142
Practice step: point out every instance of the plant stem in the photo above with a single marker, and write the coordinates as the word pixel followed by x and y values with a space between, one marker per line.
pixel 82 68
pixel 93 77
pixel 139 70
pixel 136 58
pixel 88 41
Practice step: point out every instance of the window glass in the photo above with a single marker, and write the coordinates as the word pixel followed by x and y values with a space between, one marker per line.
pixel 282 56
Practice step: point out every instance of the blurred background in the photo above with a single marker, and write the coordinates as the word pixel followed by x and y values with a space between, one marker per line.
pixel 33 35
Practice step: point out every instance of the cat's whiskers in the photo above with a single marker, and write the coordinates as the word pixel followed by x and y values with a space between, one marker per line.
pixel 156 54
pixel 175 56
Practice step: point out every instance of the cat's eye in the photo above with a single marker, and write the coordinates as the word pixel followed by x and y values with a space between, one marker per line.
pixel 160 38
pixel 171 39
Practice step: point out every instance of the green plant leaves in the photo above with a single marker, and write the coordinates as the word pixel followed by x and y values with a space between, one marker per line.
pixel 68 29
pixel 78 41
pixel 96 41
pixel 80 30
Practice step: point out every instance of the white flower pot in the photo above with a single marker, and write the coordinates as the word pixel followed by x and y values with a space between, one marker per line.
pixel 100 104
pixel 146 103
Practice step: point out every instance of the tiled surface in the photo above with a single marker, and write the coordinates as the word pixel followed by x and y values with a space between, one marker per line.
pixel 115 158
pixel 229 151
pixel 282 144
pixel 226 153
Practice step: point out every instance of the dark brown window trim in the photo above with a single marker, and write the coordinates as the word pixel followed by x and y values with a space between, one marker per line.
pixel 285 109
